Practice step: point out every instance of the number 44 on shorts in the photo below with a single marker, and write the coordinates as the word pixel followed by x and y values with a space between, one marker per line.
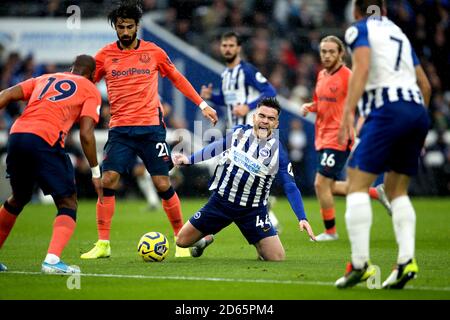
pixel 260 223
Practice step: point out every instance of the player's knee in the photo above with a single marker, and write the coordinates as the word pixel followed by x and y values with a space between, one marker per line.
pixel 110 180
pixel 275 256
pixel 182 241
pixel 67 202
pixel 162 184
pixel 13 206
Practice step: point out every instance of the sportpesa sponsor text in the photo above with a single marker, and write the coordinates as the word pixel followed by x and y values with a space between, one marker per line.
pixel 129 72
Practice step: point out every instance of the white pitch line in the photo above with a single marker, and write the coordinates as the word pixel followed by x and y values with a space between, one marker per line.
pixel 181 278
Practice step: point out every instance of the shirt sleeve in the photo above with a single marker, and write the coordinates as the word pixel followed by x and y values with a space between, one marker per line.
pixel 357 35
pixel 165 65
pixel 217 98
pixel 255 79
pixel 286 176
pixel 99 66
pixel 27 88
pixel 91 105
pixel 213 149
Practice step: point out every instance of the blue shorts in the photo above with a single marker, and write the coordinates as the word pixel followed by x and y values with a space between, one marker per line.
pixel 32 160
pixel 330 162
pixel 148 143
pixel 219 213
pixel 391 139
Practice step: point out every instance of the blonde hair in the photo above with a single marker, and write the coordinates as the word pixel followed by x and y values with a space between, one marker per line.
pixel 336 40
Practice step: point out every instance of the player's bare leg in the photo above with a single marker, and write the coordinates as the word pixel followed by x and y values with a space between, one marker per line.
pixel 189 236
pixel 324 192
pixel 172 206
pixel 270 249
pixel 404 220
pixel 105 212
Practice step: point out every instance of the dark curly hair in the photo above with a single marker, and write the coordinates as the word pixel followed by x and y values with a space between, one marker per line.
pixel 127 9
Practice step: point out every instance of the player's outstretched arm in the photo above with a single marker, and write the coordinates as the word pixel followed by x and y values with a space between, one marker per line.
pixel 286 175
pixel 14 93
pixel 424 85
pixel 185 87
pixel 87 138
pixel 180 160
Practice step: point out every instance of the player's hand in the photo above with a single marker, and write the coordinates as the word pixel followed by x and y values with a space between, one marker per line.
pixel 206 92
pixel 179 159
pixel 304 108
pixel 304 224
pixel 346 128
pixel 98 185
pixel 240 110
pixel 210 114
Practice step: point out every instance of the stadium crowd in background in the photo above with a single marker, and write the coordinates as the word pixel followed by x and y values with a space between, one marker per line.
pixel 281 40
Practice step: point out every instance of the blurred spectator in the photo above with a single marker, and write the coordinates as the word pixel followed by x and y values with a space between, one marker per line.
pixel 282 38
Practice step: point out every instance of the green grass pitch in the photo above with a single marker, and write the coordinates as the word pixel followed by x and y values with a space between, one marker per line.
pixel 228 269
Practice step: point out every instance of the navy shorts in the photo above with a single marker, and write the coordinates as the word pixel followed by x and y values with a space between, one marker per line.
pixel 219 213
pixel 31 160
pixel 148 143
pixel 330 162
pixel 391 139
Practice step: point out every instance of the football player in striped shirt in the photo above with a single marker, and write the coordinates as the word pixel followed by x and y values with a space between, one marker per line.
pixel 251 158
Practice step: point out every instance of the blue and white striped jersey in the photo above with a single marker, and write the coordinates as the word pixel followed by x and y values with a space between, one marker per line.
pixel 392 75
pixel 247 168
pixel 243 84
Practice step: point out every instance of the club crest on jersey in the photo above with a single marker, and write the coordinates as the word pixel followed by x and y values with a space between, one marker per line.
pixel 144 58
pixel 115 60
pixel 264 153
pixel 333 88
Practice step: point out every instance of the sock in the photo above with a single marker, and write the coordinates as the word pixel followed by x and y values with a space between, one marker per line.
pixel 52 258
pixel 105 212
pixel 7 220
pixel 200 243
pixel 63 228
pixel 373 193
pixel 329 219
pixel 148 189
pixel 358 218
pixel 404 220
pixel 172 207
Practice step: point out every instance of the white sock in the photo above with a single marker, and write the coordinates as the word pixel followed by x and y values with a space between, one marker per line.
pixel 51 258
pixel 404 220
pixel 148 189
pixel 358 218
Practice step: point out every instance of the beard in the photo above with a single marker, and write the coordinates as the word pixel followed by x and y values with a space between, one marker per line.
pixel 127 41
pixel 230 59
